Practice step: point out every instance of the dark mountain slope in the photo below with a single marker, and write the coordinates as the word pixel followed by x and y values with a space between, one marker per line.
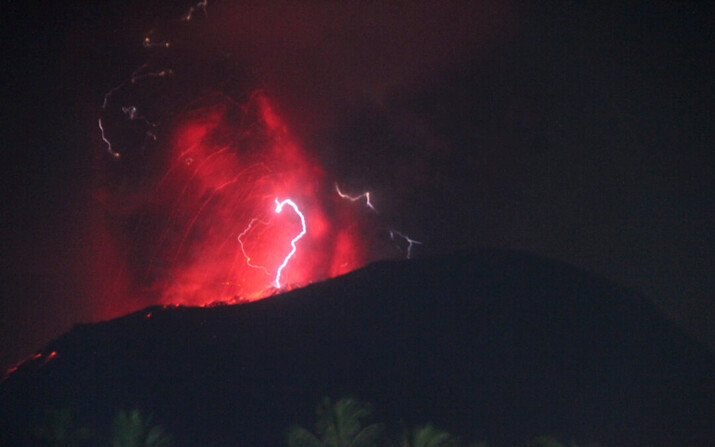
pixel 487 344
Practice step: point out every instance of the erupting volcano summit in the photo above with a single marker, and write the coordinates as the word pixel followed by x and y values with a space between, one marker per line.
pixel 212 227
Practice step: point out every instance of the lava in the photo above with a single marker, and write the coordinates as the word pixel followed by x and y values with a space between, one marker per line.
pixel 35 361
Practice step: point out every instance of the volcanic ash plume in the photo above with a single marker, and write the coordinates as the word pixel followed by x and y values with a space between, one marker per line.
pixel 210 229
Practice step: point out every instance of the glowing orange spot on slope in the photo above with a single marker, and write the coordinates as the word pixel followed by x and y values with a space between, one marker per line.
pixel 50 356
pixel 30 361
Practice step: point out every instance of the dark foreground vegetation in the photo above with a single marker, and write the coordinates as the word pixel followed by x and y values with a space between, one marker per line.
pixel 490 345
pixel 343 423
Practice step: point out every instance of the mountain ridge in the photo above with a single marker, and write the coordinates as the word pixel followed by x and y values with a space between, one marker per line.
pixel 486 343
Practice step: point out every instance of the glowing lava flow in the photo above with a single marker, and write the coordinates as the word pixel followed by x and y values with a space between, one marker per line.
pixel 279 208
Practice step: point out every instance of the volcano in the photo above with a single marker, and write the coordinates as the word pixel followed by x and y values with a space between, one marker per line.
pixel 487 344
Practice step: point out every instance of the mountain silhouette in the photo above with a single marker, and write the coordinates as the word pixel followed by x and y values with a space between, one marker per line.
pixel 487 344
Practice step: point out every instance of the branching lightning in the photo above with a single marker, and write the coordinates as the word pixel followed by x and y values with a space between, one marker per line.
pixel 211 189
pixel 131 111
pixel 410 242
pixel 393 233
pixel 243 248
pixel 142 73
pixel 279 208
pixel 366 195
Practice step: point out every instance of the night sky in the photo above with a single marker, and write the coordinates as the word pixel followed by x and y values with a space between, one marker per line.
pixel 581 133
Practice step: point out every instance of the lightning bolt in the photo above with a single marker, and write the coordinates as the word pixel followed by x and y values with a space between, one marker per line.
pixel 410 242
pixel 190 13
pixel 106 140
pixel 394 234
pixel 279 208
pixel 138 75
pixel 366 195
pixel 131 112
pixel 240 241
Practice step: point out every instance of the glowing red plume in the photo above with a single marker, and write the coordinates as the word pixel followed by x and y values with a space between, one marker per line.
pixel 210 231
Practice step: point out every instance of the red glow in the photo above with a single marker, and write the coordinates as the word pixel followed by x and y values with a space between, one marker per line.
pixel 211 229
pixel 30 361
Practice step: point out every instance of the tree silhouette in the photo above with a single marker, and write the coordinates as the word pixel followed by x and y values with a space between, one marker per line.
pixel 427 436
pixel 338 424
pixel 59 430
pixel 129 429
pixel 550 441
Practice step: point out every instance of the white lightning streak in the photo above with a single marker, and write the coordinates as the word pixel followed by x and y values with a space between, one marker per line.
pixel 136 76
pixel 240 241
pixel 410 242
pixel 366 195
pixel 131 111
pixel 104 138
pixel 109 94
pixel 141 73
pixel 190 13
pixel 279 208
pixel 132 114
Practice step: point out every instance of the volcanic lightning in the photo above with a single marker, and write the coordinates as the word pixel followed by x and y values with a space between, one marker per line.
pixel 243 248
pixel 215 162
pixel 365 195
pixel 279 208
pixel 393 233
pixel 198 6
pixel 102 133
pixel 410 242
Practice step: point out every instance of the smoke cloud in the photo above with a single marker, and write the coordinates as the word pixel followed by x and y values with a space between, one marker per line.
pixel 241 106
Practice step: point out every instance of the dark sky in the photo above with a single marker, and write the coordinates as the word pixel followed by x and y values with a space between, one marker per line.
pixel 580 132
